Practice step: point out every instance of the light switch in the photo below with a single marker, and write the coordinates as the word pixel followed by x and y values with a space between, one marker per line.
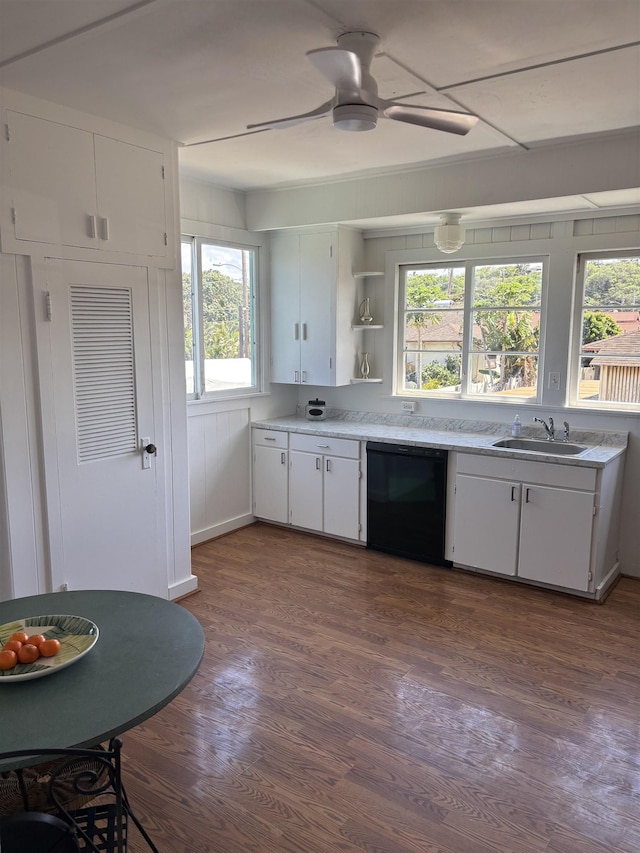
pixel 554 381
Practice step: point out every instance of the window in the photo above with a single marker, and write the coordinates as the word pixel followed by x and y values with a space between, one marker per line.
pixel 219 318
pixel 471 329
pixel 608 372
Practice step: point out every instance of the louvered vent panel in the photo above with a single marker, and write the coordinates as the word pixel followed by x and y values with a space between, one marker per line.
pixel 102 332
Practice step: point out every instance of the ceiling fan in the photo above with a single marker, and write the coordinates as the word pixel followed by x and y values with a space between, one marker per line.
pixel 356 105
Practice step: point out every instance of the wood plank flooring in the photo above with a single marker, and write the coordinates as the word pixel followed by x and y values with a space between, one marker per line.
pixel 352 701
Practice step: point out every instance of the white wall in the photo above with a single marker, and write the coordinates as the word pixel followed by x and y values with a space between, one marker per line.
pixel 28 524
pixel 219 432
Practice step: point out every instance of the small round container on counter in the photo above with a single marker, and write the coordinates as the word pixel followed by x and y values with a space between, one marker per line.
pixel 316 410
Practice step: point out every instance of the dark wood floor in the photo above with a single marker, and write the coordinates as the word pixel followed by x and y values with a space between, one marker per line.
pixel 351 701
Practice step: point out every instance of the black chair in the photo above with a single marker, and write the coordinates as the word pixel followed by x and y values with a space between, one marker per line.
pixel 75 801
pixel 36 832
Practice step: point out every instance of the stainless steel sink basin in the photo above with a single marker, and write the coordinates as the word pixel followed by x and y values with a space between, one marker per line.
pixel 555 448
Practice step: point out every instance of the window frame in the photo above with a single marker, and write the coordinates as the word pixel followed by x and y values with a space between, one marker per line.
pixel 468 308
pixel 199 394
pixel 576 331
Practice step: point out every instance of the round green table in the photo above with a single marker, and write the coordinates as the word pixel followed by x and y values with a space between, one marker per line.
pixel 147 652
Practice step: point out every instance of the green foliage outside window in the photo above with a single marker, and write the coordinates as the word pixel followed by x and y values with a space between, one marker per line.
pixel 222 308
pixel 596 326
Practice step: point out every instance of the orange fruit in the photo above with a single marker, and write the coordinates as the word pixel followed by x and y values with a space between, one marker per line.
pixel 12 646
pixel 49 648
pixel 36 639
pixel 8 659
pixel 28 653
pixel 20 636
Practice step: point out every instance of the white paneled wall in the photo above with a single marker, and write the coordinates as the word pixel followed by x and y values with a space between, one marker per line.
pixel 220 472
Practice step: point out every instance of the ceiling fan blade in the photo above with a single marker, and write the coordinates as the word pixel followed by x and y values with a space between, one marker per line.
pixel 290 121
pixel 340 67
pixel 449 121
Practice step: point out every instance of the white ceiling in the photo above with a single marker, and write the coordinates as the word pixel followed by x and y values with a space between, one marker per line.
pixel 536 72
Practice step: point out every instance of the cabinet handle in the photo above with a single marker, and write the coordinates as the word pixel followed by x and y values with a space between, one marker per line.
pixel 296 331
pixel 526 495
pixel 304 331
pixel 328 461
pixel 317 463
pixel 282 458
pixel 513 493
pixel 322 445
pixel 104 227
pixel 296 376
pixel 93 229
pixel 269 439
pixel 304 375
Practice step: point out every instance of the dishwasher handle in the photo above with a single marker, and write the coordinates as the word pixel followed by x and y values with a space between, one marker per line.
pixel 405 449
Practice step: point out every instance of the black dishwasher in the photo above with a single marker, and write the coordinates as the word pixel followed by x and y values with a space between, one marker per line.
pixel 406 501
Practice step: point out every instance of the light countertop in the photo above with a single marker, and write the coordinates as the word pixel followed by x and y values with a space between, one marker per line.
pixel 448 434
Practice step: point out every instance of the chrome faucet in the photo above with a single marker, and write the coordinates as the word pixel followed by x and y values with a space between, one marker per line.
pixel 549 429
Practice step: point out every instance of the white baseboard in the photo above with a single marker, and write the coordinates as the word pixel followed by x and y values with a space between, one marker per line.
pixel 215 530
pixel 178 590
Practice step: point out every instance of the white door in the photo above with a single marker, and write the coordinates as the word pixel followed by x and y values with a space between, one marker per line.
pixel 318 277
pixel 485 531
pixel 285 309
pixel 270 480
pixel 555 536
pixel 53 181
pixel 342 496
pixel 305 490
pixel 104 502
pixel 130 189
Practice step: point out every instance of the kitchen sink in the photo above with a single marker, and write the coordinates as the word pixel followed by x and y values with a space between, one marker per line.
pixel 555 448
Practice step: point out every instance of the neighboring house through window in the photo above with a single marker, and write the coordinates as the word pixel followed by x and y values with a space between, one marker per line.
pixel 471 329
pixel 608 373
pixel 218 287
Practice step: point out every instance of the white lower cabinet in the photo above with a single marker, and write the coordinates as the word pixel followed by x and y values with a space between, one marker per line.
pixel 271 475
pixel 531 520
pixel 307 481
pixel 486 524
pixel 556 527
pixel 324 485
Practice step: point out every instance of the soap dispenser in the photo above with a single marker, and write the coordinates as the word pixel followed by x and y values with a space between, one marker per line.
pixel 516 427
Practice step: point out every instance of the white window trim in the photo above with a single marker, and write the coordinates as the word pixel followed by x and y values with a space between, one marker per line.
pixel 574 401
pixel 468 264
pixel 209 237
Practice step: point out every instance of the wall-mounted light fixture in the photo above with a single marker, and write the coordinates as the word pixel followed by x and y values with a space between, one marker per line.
pixel 449 236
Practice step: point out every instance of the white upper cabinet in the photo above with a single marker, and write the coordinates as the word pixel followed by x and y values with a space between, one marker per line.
pixel 130 189
pixel 53 184
pixel 312 298
pixel 71 187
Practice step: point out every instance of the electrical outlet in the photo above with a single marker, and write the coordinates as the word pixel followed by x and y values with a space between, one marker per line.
pixel 554 381
pixel 409 406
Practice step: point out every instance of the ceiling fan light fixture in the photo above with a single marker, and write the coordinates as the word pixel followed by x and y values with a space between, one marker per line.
pixel 449 237
pixel 355 117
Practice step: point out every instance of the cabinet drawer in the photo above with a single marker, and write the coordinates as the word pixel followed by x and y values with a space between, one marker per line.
pixel 327 446
pixel 545 473
pixel 271 438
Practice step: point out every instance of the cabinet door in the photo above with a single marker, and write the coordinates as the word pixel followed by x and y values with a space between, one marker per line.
pixel 485 531
pixel 270 483
pixel 52 182
pixel 131 205
pixel 341 497
pixel 318 282
pixel 285 308
pixel 305 490
pixel 555 536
